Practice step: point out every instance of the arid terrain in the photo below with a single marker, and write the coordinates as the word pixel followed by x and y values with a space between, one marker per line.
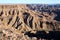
pixel 29 22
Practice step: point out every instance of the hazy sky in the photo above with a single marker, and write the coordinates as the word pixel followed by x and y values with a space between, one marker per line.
pixel 30 1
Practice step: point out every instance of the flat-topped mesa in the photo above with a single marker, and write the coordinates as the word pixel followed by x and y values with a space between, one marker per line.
pixel 24 19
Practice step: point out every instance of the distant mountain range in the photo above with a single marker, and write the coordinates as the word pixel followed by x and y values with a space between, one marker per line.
pixel 46 8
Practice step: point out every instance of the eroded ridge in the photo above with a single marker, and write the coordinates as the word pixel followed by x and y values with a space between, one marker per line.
pixel 23 19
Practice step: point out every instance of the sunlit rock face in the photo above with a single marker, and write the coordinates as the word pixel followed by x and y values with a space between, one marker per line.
pixel 21 19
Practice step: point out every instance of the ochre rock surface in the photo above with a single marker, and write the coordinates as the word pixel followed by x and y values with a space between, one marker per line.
pixel 20 19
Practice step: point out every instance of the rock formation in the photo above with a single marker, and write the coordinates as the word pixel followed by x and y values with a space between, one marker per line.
pixel 20 19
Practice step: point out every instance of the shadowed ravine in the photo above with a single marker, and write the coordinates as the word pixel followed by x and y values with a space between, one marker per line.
pixel 43 35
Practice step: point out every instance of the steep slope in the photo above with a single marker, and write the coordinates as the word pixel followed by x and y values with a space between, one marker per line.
pixel 20 19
